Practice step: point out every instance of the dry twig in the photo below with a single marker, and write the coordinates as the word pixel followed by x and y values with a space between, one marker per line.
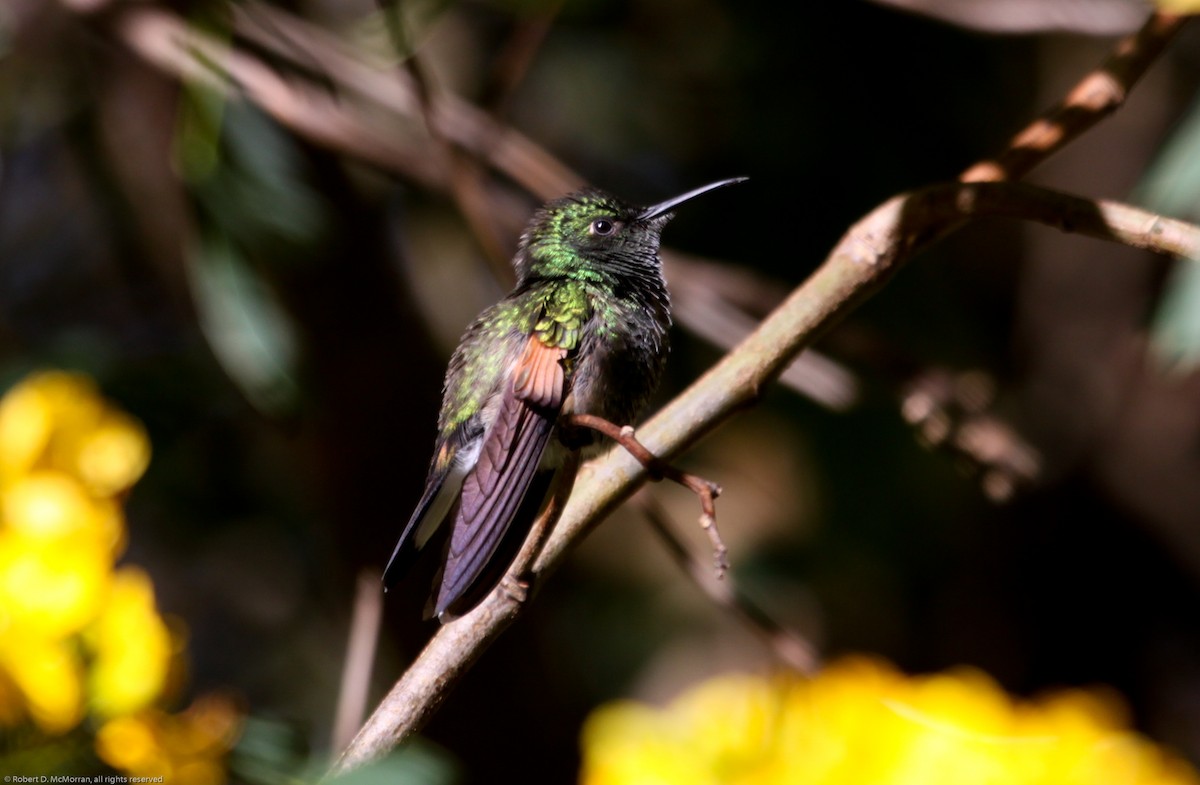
pixel 360 654
pixel 467 184
pixel 788 646
pixel 950 412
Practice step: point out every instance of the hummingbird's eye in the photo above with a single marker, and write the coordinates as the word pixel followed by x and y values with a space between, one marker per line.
pixel 602 226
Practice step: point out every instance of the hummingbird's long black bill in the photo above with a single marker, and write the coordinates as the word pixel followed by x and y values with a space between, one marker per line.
pixel 655 210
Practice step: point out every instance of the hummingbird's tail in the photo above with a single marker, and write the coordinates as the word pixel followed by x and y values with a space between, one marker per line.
pixel 441 492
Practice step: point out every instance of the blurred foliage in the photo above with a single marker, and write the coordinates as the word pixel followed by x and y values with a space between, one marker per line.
pixel 235 162
pixel 1172 187
pixel 270 752
pixel 859 721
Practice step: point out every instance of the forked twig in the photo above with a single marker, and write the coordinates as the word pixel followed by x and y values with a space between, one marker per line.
pixel 658 469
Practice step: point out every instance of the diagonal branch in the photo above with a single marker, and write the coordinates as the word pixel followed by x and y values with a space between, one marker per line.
pixel 1100 93
pixel 866 258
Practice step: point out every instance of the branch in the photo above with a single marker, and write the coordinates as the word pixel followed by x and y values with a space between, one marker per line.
pixel 950 413
pixel 864 260
pixel 1096 96
pixel 722 304
pixel 164 40
pixel 472 129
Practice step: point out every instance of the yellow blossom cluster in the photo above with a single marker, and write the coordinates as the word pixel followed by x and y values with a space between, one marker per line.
pixel 861 721
pixel 1179 6
pixel 183 749
pixel 79 635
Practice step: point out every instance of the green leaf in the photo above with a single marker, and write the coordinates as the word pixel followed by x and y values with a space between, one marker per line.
pixel 1172 186
pixel 249 332
pixel 418 762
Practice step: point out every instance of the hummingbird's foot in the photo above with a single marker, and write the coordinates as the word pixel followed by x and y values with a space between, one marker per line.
pixel 516 589
pixel 658 469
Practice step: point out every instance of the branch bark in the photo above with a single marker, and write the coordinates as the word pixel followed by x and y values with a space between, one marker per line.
pixel 865 259
pixel 1100 93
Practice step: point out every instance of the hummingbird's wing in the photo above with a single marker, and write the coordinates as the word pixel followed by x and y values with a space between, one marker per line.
pixel 493 490
pixel 441 491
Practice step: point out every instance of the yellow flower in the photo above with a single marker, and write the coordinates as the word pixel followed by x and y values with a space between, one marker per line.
pixel 131 648
pixel 861 721
pixel 111 455
pixel 49 677
pixel 51 587
pixel 1180 6
pixel 64 453
pixel 74 633
pixel 59 420
pixel 185 748
pixel 48 505
pixel 32 411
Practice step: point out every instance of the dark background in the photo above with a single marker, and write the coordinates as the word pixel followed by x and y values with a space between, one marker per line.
pixel 280 316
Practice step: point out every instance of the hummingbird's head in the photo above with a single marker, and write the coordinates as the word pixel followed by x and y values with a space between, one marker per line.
pixel 593 236
pixel 588 235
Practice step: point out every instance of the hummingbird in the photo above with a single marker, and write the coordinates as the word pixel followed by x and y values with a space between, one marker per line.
pixel 584 331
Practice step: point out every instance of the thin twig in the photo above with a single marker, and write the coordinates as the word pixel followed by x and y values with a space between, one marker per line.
pixel 467 126
pixel 950 412
pixel 1100 93
pixel 466 177
pixel 658 469
pixel 164 40
pixel 788 645
pixel 360 653
pixel 865 259
pixel 516 57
